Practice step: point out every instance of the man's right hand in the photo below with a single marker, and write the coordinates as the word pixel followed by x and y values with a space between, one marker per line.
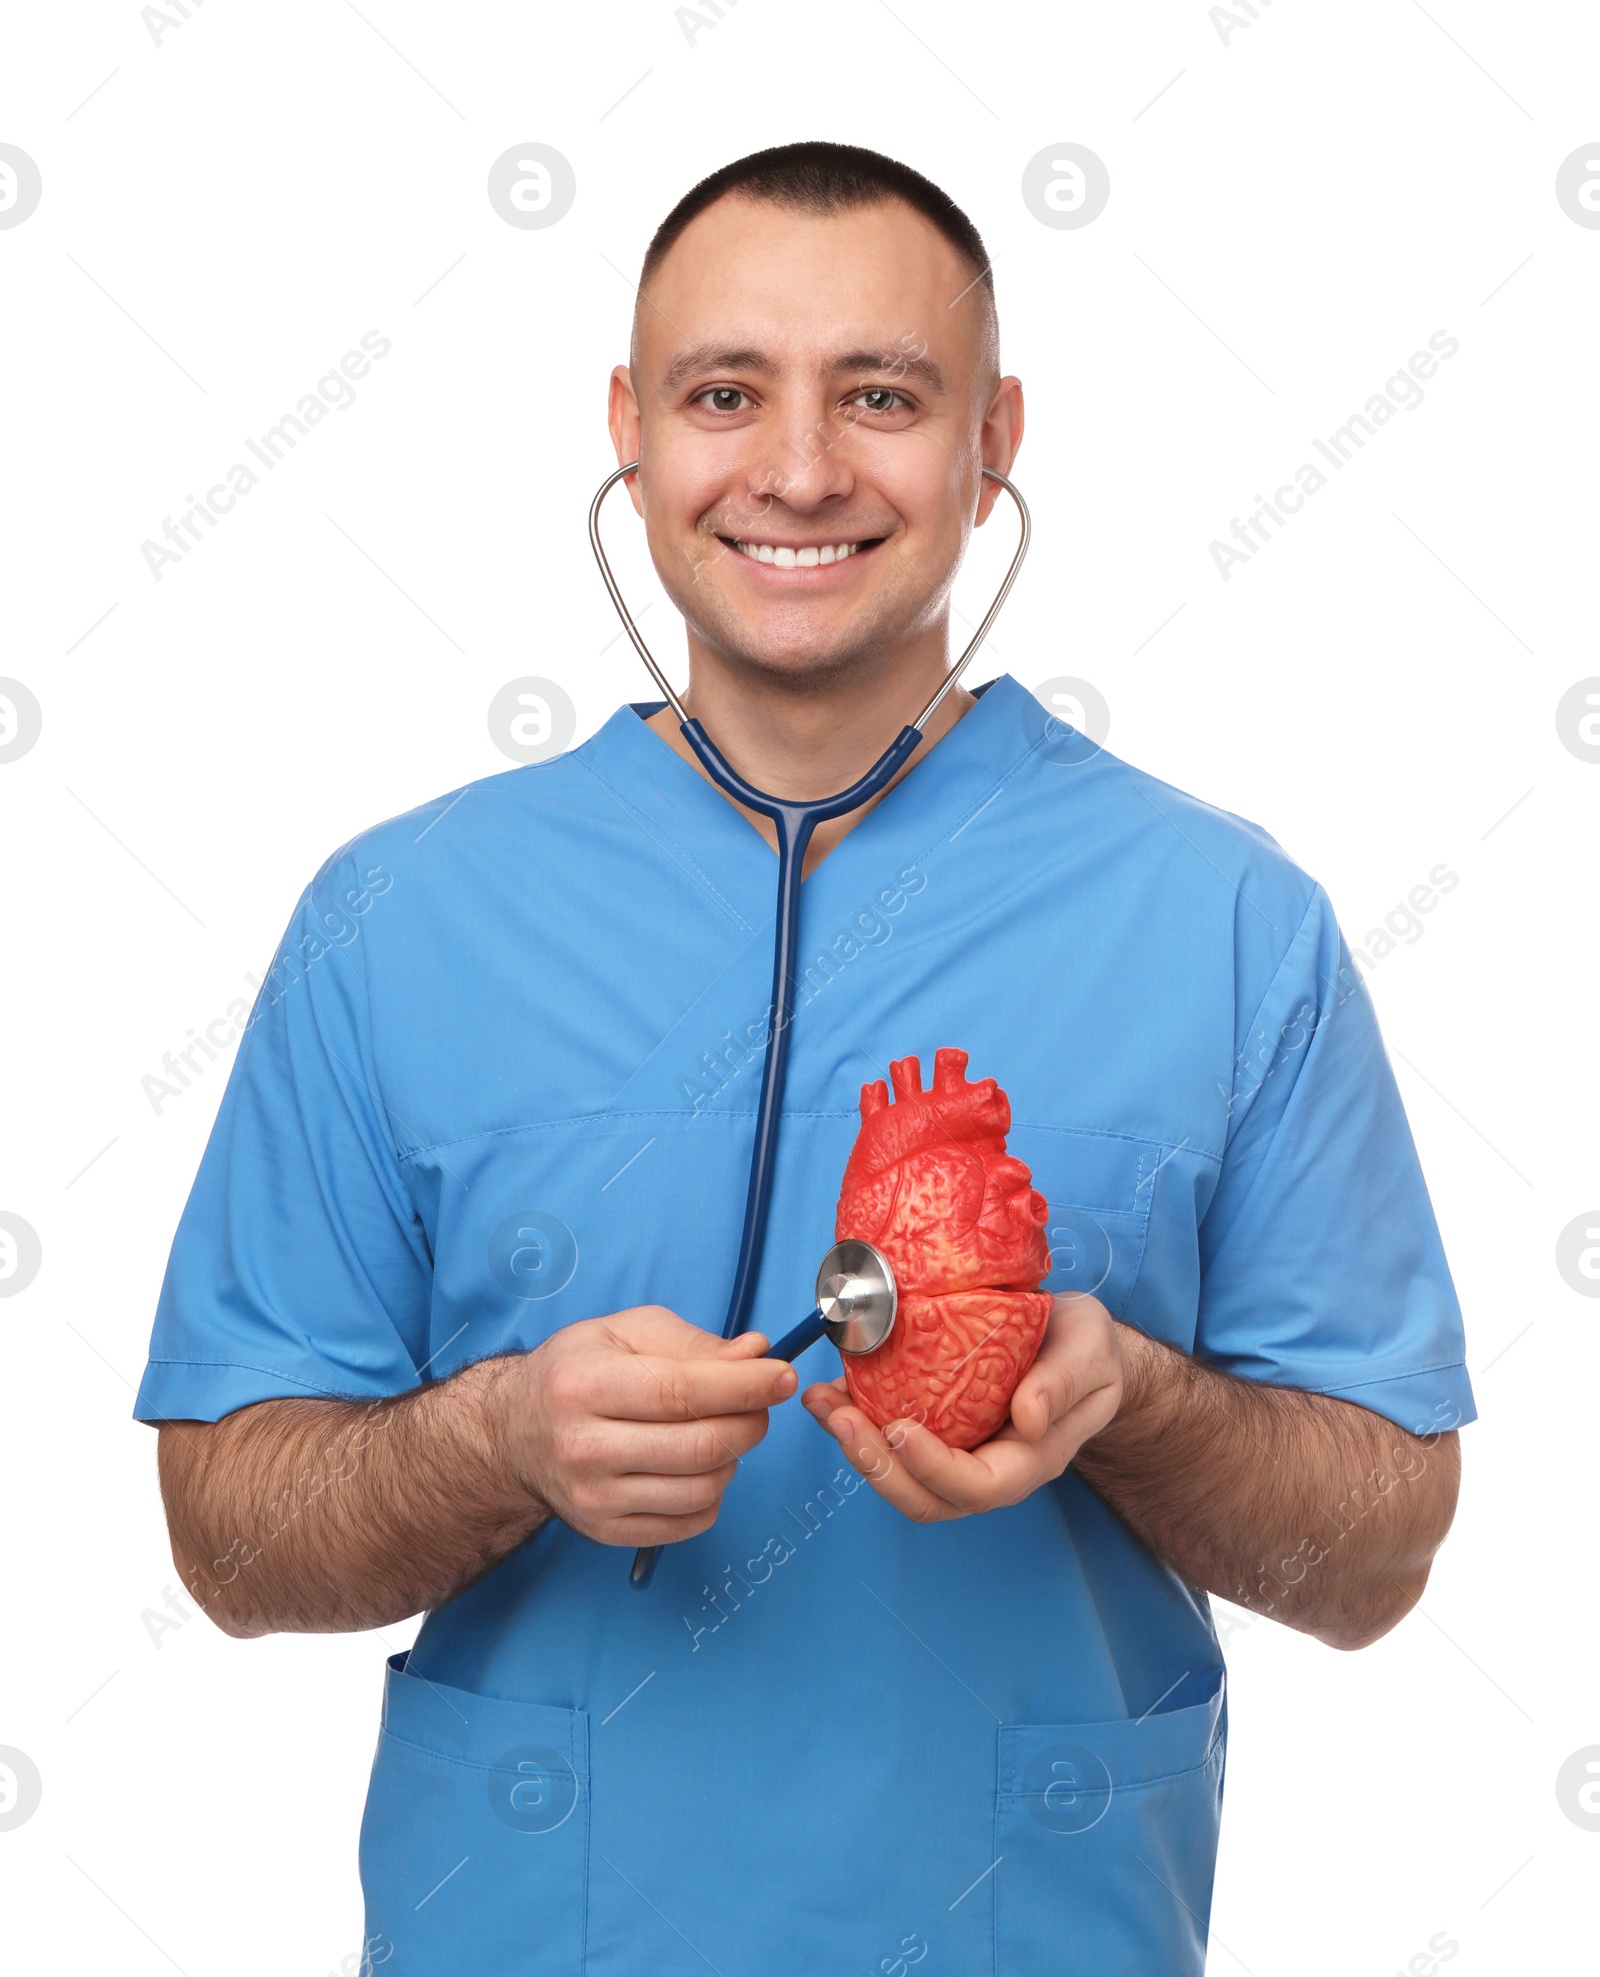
pixel 319 1516
pixel 629 1427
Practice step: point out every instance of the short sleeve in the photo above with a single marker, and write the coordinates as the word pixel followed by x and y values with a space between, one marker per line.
pixel 1321 1262
pixel 299 1265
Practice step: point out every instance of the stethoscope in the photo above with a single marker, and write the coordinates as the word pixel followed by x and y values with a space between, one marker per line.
pixel 855 1288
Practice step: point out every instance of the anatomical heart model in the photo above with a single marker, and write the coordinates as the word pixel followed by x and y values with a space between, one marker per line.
pixel 929 1182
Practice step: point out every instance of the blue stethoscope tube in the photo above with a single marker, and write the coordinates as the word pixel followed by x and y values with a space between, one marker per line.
pixel 790 1346
pixel 794 823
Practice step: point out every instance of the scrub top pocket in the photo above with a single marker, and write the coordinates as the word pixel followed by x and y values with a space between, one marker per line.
pixel 475 1839
pixel 1099 1187
pixel 1105 1841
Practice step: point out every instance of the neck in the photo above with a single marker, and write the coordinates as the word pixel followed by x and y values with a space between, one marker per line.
pixel 806 738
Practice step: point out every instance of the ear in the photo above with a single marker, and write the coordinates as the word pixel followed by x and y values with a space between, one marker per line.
pixel 622 416
pixel 1001 440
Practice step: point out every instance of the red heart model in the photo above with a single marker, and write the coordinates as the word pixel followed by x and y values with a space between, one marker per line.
pixel 929 1182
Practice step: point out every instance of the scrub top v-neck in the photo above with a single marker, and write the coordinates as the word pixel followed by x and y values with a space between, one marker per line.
pixel 502 1077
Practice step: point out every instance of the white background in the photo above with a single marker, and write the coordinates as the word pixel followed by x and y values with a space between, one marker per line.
pixel 1306 201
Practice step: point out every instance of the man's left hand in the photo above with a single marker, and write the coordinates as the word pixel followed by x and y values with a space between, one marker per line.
pixel 1072 1389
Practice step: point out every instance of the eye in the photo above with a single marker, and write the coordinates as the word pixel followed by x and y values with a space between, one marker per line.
pixel 880 398
pixel 722 398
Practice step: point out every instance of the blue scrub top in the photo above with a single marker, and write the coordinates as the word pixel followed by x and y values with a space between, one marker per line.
pixel 502 1077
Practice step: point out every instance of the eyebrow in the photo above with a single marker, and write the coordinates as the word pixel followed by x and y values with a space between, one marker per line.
pixel 712 357
pixel 704 357
pixel 922 368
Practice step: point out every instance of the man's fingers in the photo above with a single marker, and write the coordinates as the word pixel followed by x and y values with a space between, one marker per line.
pixel 1095 1411
pixel 881 1455
pixel 1045 1395
pixel 671 1496
pixel 654 1387
pixel 907 1463
pixel 820 1399
pixel 653 1328
pixel 1001 1472
pixel 643 1528
pixel 912 1469
pixel 1071 1364
pixel 667 1448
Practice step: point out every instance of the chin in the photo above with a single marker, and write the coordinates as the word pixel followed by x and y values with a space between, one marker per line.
pixel 781 662
pixel 787 649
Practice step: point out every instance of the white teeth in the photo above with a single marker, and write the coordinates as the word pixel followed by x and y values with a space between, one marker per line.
pixel 802 559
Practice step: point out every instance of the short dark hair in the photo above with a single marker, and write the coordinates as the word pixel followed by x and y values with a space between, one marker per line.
pixel 825 178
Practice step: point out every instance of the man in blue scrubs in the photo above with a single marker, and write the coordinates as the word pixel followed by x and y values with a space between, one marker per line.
pixel 440 1329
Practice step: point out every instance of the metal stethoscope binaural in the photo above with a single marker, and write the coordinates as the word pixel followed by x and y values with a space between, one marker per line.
pixel 855 1289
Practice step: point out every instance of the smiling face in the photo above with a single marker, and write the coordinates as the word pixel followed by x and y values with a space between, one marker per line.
pixel 812 406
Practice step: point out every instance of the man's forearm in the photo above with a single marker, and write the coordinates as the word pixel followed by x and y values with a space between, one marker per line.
pixel 1316 1511
pixel 320 1516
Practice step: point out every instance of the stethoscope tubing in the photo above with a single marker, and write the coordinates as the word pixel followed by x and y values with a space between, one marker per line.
pixel 794 822
pixel 792 1344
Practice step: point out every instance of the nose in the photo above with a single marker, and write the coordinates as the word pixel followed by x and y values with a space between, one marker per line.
pixel 801 460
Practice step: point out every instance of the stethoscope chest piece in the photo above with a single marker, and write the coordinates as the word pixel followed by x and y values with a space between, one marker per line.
pixel 856 1296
